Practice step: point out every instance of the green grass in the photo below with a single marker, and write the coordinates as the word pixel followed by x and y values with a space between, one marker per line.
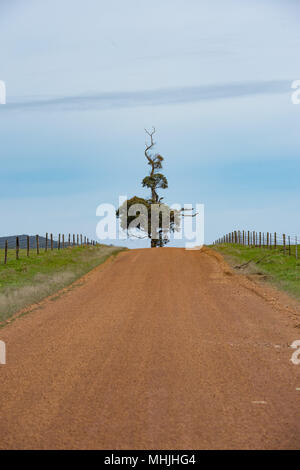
pixel 280 269
pixel 28 280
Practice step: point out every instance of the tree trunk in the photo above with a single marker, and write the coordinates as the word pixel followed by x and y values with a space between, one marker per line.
pixel 153 243
pixel 160 239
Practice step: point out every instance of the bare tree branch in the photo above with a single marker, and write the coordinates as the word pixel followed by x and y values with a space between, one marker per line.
pixel 188 215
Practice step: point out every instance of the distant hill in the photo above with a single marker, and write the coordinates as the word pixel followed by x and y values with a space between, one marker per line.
pixel 23 241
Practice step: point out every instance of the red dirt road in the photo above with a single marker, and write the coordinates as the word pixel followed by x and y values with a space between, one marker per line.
pixel 157 349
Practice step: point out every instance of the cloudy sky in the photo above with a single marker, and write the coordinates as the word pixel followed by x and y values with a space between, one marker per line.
pixel 84 78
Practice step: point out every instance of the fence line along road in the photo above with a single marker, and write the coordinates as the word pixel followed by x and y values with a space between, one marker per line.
pixel 271 240
pixel 35 244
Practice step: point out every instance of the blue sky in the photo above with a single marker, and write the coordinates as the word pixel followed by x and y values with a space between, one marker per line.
pixel 84 78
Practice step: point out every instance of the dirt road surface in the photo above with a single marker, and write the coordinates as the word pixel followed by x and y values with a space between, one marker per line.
pixel 157 349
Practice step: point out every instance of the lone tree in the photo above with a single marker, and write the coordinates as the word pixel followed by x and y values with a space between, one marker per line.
pixel 152 218
pixel 155 180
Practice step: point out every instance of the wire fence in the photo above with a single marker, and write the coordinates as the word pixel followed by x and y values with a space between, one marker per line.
pixel 36 244
pixel 287 244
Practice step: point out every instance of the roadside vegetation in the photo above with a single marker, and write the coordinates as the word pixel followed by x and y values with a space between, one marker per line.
pixel 272 265
pixel 30 279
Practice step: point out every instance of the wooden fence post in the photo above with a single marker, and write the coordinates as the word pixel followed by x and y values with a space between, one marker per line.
pixel 267 239
pixel 275 240
pixel 46 242
pixel 69 240
pixel 259 239
pixel 73 239
pixel 63 241
pixel 28 245
pixel 270 241
pixel 5 252
pixel 81 239
pixel 58 244
pixel 37 245
pixel 17 247
pixel 284 247
pixel 51 241
pixel 248 238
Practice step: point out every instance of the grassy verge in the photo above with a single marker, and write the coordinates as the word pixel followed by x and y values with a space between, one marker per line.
pixel 278 268
pixel 28 280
